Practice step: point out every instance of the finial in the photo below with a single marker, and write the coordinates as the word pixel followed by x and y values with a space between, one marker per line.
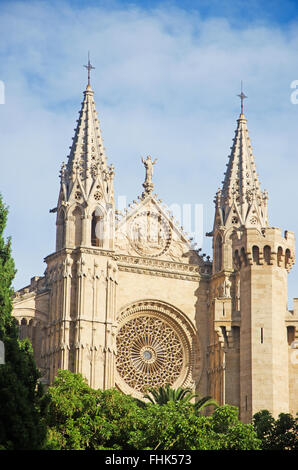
pixel 242 97
pixel 89 67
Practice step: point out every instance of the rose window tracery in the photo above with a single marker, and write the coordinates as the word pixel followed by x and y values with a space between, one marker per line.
pixel 149 353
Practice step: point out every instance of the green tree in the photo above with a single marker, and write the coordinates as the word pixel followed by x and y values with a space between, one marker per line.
pixel 176 426
pixel 79 417
pixel 21 425
pixel 276 434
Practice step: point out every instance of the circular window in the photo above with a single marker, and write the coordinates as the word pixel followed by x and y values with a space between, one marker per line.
pixel 150 352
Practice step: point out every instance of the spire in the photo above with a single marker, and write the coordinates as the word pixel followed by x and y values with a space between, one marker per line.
pixel 87 163
pixel 241 187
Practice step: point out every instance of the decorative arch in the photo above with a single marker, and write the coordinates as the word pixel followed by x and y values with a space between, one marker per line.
pixel 267 254
pixel 156 344
pixel 256 254
pixel 60 235
pixel 74 216
pixel 77 220
pixel 279 255
pixel 97 227
pixel 218 253
pixel 287 257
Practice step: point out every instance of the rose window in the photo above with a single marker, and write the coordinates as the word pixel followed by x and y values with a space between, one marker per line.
pixel 149 353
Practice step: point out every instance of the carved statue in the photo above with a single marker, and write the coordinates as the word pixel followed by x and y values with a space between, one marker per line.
pixel 148 163
pixel 228 285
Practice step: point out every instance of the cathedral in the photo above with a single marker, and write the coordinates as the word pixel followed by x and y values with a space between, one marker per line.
pixel 127 301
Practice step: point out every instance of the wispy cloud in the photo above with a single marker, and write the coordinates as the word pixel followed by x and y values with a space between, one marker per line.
pixel 165 84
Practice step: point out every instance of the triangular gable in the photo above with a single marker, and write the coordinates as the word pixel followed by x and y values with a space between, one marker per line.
pixel 148 230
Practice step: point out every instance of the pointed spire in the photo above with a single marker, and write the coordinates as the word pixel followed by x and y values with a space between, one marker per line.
pixel 241 187
pixel 87 161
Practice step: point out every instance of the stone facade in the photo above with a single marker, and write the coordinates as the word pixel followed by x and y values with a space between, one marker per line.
pixel 127 301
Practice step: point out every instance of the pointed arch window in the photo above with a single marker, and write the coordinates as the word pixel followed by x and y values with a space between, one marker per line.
pixel 267 254
pixel 60 236
pixel 256 254
pixel 279 256
pixel 97 228
pixel 287 257
pixel 218 253
pixel 77 234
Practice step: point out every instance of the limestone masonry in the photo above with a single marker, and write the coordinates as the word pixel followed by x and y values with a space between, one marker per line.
pixel 128 302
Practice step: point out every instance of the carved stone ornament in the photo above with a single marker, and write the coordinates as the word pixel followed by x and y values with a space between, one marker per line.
pixel 149 234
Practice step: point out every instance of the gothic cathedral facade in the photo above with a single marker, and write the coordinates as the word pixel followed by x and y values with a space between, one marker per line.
pixel 128 302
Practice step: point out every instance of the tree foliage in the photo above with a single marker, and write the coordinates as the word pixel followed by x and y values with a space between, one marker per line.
pixel 276 434
pixel 21 426
pixel 79 417
pixel 165 394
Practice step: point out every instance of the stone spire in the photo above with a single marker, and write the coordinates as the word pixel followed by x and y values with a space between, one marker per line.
pixel 87 163
pixel 85 209
pixel 241 200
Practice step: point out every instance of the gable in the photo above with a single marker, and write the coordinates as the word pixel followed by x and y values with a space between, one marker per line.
pixel 147 230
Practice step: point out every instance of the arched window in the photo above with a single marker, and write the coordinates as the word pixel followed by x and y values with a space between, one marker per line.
pixel 218 253
pixel 256 254
pixel 60 237
pixel 287 257
pixel 291 334
pixel 267 254
pixel 279 256
pixel 77 219
pixel 97 228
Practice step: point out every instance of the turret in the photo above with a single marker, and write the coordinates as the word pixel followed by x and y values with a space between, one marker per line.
pixel 251 261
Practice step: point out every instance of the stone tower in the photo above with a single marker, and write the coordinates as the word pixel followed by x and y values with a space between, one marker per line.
pixel 80 309
pixel 251 261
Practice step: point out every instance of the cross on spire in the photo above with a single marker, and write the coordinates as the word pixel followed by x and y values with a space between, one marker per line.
pixel 242 97
pixel 89 67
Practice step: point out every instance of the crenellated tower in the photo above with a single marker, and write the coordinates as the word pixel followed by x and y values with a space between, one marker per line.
pixel 248 352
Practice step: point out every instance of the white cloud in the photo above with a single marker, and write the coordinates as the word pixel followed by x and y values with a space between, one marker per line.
pixel 165 84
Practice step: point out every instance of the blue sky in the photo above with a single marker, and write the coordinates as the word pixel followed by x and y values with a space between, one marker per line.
pixel 166 83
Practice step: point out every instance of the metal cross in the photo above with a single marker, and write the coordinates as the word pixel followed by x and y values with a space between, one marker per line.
pixel 89 67
pixel 242 96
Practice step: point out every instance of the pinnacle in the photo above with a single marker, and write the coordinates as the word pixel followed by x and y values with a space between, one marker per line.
pixel 241 185
pixel 87 162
